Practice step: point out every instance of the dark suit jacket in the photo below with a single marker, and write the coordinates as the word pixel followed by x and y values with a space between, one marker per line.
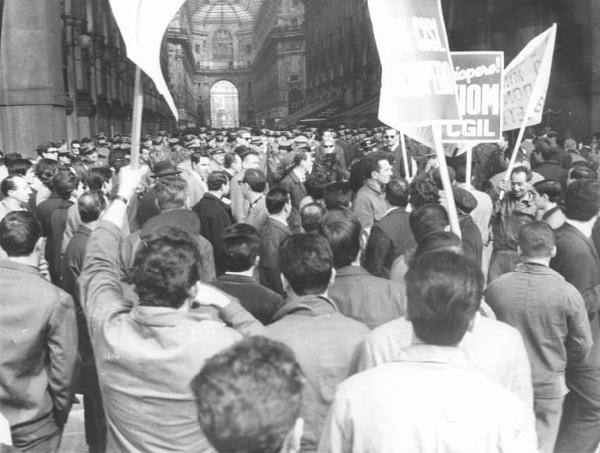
pixel 297 192
pixel 58 223
pixel 272 235
pixel 578 262
pixel 261 302
pixel 471 239
pixel 45 210
pixel 389 238
pixel 214 217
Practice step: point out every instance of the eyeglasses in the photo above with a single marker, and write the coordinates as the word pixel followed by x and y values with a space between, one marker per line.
pixel 390 136
pixel 246 138
pixel 329 146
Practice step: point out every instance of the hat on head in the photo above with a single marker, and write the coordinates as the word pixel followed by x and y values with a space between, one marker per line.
pixel 464 200
pixel 87 148
pixel 256 141
pixel 193 143
pixel 217 150
pixel 164 168
pixel 173 141
pixel 300 140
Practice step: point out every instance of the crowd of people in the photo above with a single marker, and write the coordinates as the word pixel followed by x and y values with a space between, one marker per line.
pixel 283 291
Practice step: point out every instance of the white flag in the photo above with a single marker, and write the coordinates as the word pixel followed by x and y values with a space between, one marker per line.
pixel 143 24
pixel 526 81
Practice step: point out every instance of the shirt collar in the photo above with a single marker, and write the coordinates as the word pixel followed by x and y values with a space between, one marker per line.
pixel 584 227
pixel 6 263
pixel 348 271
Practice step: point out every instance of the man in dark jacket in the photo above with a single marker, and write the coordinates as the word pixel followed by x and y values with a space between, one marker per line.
pixel 391 236
pixel 358 294
pixel 240 248
pixel 90 206
pixel 214 212
pixel 577 261
pixel 274 231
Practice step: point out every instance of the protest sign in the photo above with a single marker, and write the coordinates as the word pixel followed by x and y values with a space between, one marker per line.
pixel 417 85
pixel 526 79
pixel 478 78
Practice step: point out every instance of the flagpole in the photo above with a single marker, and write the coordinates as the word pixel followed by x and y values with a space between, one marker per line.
pixel 446 184
pixel 469 167
pixel 404 157
pixel 513 157
pixel 136 120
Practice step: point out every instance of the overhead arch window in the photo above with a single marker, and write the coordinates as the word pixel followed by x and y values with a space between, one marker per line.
pixel 222 45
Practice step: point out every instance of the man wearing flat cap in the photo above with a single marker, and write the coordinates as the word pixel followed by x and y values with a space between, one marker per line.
pixel 471 235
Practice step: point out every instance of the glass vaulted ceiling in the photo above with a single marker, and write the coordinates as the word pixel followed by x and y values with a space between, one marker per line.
pixel 226 11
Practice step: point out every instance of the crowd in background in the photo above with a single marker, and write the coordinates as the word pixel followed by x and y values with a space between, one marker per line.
pixel 282 291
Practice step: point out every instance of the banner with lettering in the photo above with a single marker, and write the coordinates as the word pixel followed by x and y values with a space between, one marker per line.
pixel 479 86
pixel 417 84
pixel 526 81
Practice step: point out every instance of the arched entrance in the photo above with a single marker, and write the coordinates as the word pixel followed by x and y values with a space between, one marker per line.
pixel 224 105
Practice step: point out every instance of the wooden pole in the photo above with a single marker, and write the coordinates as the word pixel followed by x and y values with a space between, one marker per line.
pixel 136 120
pixel 446 184
pixel 407 175
pixel 469 166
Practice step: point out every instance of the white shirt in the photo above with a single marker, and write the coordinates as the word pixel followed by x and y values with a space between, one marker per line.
pixel 492 347
pixel 428 400
pixel 584 228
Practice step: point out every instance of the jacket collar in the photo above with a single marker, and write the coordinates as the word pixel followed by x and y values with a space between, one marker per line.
pixel 374 186
pixel 168 317
pixel 311 305
pixel 350 271
pixel 535 268
pixel 236 278
pixel 8 264
pixel 427 353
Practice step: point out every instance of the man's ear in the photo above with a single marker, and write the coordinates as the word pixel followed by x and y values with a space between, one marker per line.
pixel 40 245
pixel 332 278
pixel 553 252
pixel 285 283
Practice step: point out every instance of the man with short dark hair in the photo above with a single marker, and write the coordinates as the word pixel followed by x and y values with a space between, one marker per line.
pixel 147 353
pixel 549 167
pixel 325 342
pixel 239 205
pixel 214 212
pixel 337 195
pixel 274 231
pixel 577 261
pixel 370 204
pixel 391 236
pixel 249 398
pixel 358 294
pixel 551 316
pixel 240 249
pixel 254 184
pixel 429 398
pixel 515 210
pixel 15 194
pixel 38 340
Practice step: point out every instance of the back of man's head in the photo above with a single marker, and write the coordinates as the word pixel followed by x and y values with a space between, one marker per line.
pixel 423 191
pixel 544 147
pixel 19 233
pixel 342 230
pixel 90 205
pixel 337 195
pixel 18 166
pixel 397 192
pixel 256 180
pixel 427 219
pixel 582 199
pixel 306 262
pixel 311 216
pixel 443 292
pixel 96 177
pixel 436 176
pixel 249 397
pixel 240 245
pixel 64 183
pixel 276 200
pixel 216 180
pixel 582 170
pixel 438 241
pixel 166 267
pixel 171 192
pixel 536 240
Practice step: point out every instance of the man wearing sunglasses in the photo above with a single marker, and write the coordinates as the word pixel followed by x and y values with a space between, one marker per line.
pixel 391 143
